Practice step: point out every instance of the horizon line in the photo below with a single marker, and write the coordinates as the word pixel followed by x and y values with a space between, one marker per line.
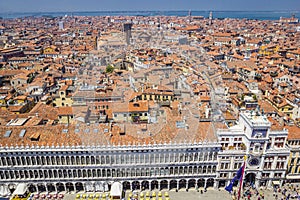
pixel 151 11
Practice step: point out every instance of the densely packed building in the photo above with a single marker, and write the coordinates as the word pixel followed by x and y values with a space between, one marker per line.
pixel 152 102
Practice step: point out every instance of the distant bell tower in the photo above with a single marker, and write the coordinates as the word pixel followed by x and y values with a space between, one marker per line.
pixel 210 17
pixel 190 16
pixel 61 25
pixel 127 31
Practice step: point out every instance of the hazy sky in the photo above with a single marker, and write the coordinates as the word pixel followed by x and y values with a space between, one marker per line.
pixel 121 5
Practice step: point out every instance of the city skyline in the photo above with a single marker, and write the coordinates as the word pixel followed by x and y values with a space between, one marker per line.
pixel 135 5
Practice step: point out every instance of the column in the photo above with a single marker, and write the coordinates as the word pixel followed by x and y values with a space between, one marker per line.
pixel 216 184
pixel 141 187
pixel 187 185
pixel 177 187
pixel 158 185
pixel 168 185
pixel 205 183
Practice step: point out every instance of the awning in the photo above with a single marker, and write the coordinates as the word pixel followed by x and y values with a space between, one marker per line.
pixel 276 183
pixel 116 190
pixel 21 189
pixel 293 176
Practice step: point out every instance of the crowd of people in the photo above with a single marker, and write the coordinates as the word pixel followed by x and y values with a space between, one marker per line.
pixel 286 192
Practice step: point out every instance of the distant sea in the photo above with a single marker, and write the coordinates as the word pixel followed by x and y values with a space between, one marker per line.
pixel 259 15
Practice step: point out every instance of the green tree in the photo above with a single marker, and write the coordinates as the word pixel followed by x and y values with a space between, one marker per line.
pixel 254 97
pixel 109 69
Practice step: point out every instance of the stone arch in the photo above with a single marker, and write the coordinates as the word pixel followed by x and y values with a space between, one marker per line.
pixel 176 170
pixel 99 186
pixel 68 160
pixel 69 187
pixel 79 186
pixel 195 170
pixel 3 161
pixel 23 160
pixel 93 160
pixel 89 173
pixel 154 184
pixel 60 187
pixel 250 178
pixel 38 160
pixel 171 170
pixel 182 184
pixel 145 185
pixel 201 183
pixel 41 187
pixel 181 170
pixel 190 170
pixel 163 184
pixel 18 161
pixel 214 169
pixel 104 173
pixel 79 172
pixel 126 185
pixel 50 187
pixel 84 174
pixel 31 175
pixel 26 174
pixel 32 188
pixel 173 184
pixel 108 173
pixel 46 175
pixel 27 160
pixel 210 183
pixel 11 187
pixel 209 169
pixel 191 183
pixel 13 161
pixel 21 172
pixel 136 185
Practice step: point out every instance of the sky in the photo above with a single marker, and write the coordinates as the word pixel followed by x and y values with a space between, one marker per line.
pixel 139 5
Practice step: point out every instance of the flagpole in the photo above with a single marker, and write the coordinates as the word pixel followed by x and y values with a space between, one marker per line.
pixel 242 178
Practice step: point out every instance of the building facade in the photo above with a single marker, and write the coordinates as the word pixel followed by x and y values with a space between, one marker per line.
pixel 293 169
pixel 95 168
pixel 266 151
